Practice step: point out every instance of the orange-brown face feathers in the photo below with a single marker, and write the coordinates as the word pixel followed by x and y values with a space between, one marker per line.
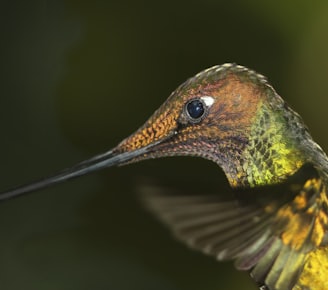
pixel 160 126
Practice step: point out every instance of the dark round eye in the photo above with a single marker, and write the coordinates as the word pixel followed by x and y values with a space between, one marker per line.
pixel 195 110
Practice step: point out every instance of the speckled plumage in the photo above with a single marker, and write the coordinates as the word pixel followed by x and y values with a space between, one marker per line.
pixel 261 144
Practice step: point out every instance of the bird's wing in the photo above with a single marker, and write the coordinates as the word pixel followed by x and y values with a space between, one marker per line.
pixel 268 232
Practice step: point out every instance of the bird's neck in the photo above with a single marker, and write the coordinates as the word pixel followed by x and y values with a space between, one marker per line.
pixel 272 153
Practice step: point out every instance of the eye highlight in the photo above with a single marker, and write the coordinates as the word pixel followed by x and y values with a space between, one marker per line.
pixel 195 110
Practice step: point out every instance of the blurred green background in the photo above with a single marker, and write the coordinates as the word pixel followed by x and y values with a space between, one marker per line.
pixel 77 77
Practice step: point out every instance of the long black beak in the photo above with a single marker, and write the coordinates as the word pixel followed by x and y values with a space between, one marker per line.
pixel 109 159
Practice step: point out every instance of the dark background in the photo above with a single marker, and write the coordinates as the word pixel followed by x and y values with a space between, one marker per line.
pixel 78 76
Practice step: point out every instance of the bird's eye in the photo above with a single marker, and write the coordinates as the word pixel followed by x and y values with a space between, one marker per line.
pixel 195 110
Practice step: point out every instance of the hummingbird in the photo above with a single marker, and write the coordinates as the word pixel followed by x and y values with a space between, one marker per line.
pixel 273 222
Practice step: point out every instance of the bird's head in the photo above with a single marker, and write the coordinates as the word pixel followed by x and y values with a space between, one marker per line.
pixel 228 114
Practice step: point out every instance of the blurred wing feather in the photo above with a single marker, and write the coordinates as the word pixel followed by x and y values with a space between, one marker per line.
pixel 268 238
